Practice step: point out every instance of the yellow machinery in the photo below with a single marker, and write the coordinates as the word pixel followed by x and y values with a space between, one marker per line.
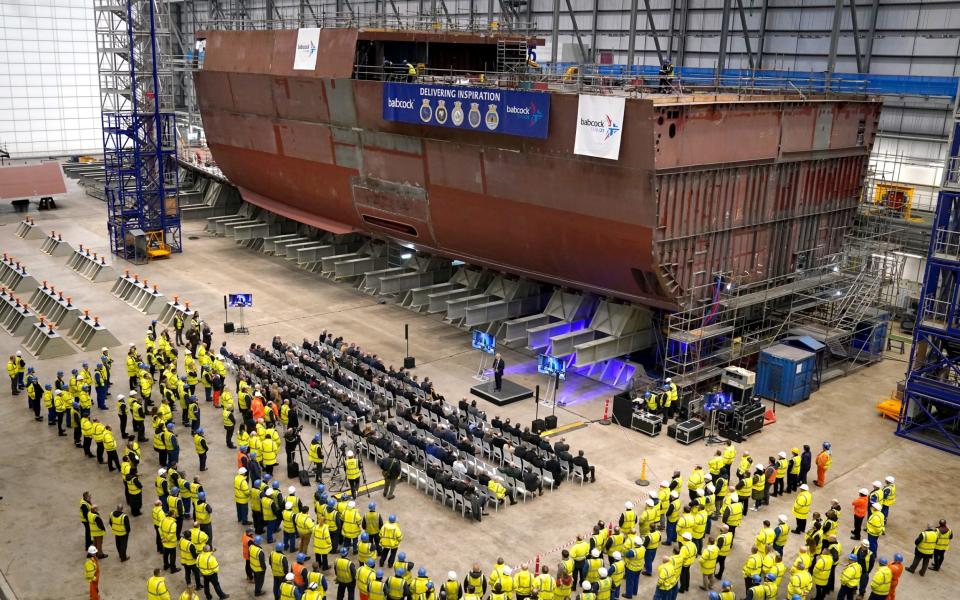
pixel 156 245
pixel 894 199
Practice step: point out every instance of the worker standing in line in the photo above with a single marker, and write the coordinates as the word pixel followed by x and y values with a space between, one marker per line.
pixel 880 584
pixel 200 445
pixel 210 570
pixel 889 496
pixel 157 587
pixel 806 461
pixel 110 446
pixel 120 525
pixel 821 573
pixel 189 593
pixel 668 576
pixel 824 462
pixel 241 495
pixel 97 529
pixel 708 563
pixel 859 513
pixel 793 470
pixel 12 374
pixel 91 572
pixel 168 540
pixel 875 526
pixel 288 589
pixel 925 543
pixel 351 466
pixel 279 567
pixel 896 570
pixel 258 565
pixel 345 573
pixel 390 538
pixel 315 456
pixel 801 508
pixel 850 578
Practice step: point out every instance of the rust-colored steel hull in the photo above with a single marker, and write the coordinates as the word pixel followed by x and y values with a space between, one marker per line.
pixel 740 186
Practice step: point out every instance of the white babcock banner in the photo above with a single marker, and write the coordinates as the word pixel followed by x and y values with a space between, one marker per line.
pixel 599 126
pixel 305 56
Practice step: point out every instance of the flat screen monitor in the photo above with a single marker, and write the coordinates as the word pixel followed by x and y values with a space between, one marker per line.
pixel 551 365
pixel 240 300
pixel 484 341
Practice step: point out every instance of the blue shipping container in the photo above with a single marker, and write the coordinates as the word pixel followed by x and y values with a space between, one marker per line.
pixel 785 374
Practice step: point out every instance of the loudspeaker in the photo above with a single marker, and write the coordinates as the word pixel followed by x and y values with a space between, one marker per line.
pixel 538 426
pixel 550 422
pixel 228 327
pixel 409 362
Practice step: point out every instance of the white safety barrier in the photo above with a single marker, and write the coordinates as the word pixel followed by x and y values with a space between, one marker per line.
pixel 53 305
pixel 172 309
pixel 90 266
pixel 55 246
pixel 43 341
pixel 15 314
pixel 28 230
pixel 14 276
pixel 87 332
pixel 137 294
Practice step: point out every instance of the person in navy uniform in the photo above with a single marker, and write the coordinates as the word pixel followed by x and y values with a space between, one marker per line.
pixel 498 365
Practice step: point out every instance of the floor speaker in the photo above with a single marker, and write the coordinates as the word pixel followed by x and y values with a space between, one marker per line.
pixel 409 362
pixel 228 327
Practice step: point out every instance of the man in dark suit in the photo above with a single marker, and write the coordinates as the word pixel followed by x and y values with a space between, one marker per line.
pixel 498 365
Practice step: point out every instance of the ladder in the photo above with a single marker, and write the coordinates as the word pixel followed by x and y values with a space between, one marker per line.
pixel 512 56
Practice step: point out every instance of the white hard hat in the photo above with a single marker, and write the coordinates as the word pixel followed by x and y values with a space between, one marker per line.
pixel 674 495
pixel 782 518
pixel 804 487
pixel 602 571
pixel 452 575
pixel 586 586
pixel 291 490
pixel 637 540
pixel 289 577
pixel 104 349
pixel 595 553
pixel 865 543
pixel 863 491
pixel 664 483
pixel 351 504
pixel 877 484
pixel 161 471
pixel 650 502
pixel 628 505
pixel 653 494
pixel 617 555
pixel 269 491
pixel 687 535
pixel 734 496
pixel 668 380
pixel 507 570
pixel 92 550
pixel 783 455
pixel 708 477
pixel 759 467
pixel 18 353
pixel 890 479
pixel 242 470
pixel 119 396
pixel 132 393
pixel 711 488
pixel 349 452
pixel 288 505
pixel 132 344
pixel 697 492
pixel 877 505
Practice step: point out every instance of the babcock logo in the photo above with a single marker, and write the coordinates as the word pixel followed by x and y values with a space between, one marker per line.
pixel 310 48
pixel 526 113
pixel 398 103
pixel 605 126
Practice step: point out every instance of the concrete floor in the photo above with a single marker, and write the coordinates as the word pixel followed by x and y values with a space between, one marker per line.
pixel 43 476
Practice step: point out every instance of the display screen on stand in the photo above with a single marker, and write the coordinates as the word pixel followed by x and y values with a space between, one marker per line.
pixel 240 300
pixel 551 365
pixel 484 341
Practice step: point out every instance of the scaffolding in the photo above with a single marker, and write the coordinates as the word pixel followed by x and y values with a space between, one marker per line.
pixel 930 407
pixel 838 302
pixel 139 127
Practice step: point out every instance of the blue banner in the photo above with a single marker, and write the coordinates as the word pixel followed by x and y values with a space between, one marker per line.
pixel 490 110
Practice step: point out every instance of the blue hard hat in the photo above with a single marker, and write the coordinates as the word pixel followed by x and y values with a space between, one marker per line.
pixel 755 579
pixel 726 583
pixel 343 551
pixel 402 556
pixel 429 585
pixel 48 387
pixel 279 546
pixel 852 557
pixel 316 437
pixel 276 484
pixel 29 369
pixel 379 571
pixel 153 322
pixel 256 483
pixel 421 572
pixel 364 537
pixel 175 491
pixel 771 576
pixel 826 445
pixel 59 373
pixel 257 539
pixel 392 518
pixel 169 425
pixel 86 388
pixel 897 557
pixel 74 371
pixel 76 404
pixel 713 596
pixel 301 557
pixel 183 378
pixel 371 562
pixel 331 503
pixel 202 496
pixel 321 487
pixel 399 571
pixel 254 455
pixel 85 365
pixel 882 561
pixel 796 597
pixel 200 430
pixel 372 506
pixel 141 365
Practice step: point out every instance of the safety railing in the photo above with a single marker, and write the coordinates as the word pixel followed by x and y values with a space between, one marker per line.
pixel 952 174
pixel 458 23
pixel 947 244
